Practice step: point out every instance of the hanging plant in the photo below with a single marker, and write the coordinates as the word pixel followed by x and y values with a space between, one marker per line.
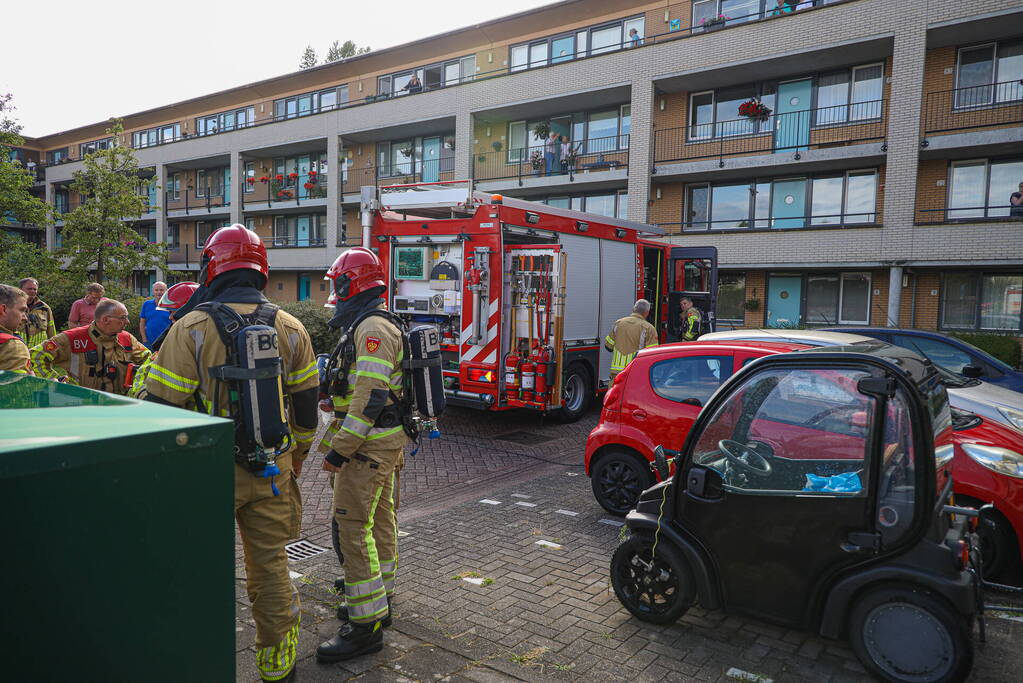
pixel 754 109
pixel 309 186
pixel 293 175
pixel 497 145
pixel 250 180
pixel 542 130
pixel 407 151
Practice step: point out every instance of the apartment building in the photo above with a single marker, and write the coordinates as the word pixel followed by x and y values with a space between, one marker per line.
pixel 851 160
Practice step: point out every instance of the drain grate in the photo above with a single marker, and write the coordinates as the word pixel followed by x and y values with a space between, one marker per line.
pixel 524 438
pixel 302 550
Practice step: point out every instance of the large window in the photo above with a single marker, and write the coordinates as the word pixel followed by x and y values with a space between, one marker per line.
pixel 715 113
pixel 310 102
pixel 850 95
pixel 612 205
pixel 172 187
pixel 94 146
pixel 566 47
pixel 844 199
pixel 731 297
pixel 156 136
pixel 299 230
pixel 838 298
pixel 203 229
pixel 981 301
pixel 982 188
pixel 213 182
pixel 989 74
pixel 56 156
pixel 173 236
pixel 594 132
pixel 431 77
pixel 227 120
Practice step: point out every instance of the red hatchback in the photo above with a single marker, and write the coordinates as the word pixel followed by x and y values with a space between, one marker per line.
pixel 653 402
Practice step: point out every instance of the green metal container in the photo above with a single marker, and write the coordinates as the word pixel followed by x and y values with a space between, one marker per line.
pixel 118 538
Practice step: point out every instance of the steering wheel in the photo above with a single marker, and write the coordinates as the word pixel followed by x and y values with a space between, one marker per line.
pixel 745 458
pixel 815 419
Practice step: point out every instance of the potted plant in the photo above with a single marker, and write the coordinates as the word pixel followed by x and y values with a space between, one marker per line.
pixel 542 130
pixel 536 161
pixel 407 151
pixel 713 23
pixel 497 145
pixel 755 110
pixel 751 305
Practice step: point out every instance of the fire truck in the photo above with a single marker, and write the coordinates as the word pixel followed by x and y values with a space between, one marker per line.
pixel 523 293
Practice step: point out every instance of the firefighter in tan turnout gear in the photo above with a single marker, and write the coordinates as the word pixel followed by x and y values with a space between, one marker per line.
pixel 630 335
pixel 241 357
pixel 362 448
pixel 13 307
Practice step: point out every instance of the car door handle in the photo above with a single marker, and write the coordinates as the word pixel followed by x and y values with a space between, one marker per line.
pixel 639 414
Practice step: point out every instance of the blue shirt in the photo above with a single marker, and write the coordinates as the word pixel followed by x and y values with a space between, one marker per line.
pixel 157 321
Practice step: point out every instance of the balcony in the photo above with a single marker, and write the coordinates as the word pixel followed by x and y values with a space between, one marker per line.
pixel 983 118
pixel 591 160
pixel 968 214
pixel 286 241
pixel 400 173
pixel 209 201
pixel 285 191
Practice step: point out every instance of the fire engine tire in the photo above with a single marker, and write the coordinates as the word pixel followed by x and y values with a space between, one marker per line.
pixel 998 545
pixel 576 393
pixel 617 479
pixel 652 579
pixel 904 633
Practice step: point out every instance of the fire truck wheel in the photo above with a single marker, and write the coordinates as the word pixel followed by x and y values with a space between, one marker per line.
pixel 576 393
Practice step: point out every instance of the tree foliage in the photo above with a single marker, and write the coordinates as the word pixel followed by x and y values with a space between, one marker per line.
pixel 99 234
pixel 338 51
pixel 15 181
pixel 309 58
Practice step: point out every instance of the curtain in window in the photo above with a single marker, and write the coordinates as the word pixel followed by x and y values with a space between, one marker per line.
pixel 855 298
pixel 832 98
pixel 976 73
pixel 822 299
pixel 866 93
pixel 959 300
pixel 1010 72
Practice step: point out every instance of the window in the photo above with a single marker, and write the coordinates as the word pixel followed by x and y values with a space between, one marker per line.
pixel 826 205
pixel 731 296
pixel 607 39
pixel 307 103
pixel 838 299
pixel 203 229
pixel 173 236
pixel 299 230
pixel 56 156
pixel 228 120
pixel 94 146
pixel 601 131
pixel 716 113
pixel 601 204
pixel 981 188
pixel 623 205
pixel 250 172
pixel 155 136
pixel 989 74
pixel 730 206
pixel 566 47
pixel 172 189
pixel 897 481
pixel 981 301
pixel 519 57
pixel 782 411
pixel 689 378
pixel 697 207
pixel 850 95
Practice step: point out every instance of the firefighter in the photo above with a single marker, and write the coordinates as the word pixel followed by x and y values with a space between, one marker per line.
pixel 13 309
pixel 363 448
pixel 629 335
pixel 173 299
pixel 692 320
pixel 267 503
pixel 101 355
pixel 39 325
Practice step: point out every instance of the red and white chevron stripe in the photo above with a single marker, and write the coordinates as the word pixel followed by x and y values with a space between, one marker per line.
pixel 485 351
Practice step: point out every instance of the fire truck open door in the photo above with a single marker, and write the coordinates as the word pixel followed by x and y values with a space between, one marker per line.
pixel 692 273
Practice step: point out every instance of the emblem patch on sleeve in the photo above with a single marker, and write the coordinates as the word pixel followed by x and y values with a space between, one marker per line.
pixel 50 346
pixel 372 344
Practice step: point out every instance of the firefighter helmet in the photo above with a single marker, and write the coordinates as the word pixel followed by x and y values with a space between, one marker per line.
pixel 177 296
pixel 356 271
pixel 231 248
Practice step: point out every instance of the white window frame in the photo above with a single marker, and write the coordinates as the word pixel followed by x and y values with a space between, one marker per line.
pixel 841 295
pixel 250 172
pixel 994 75
pixel 984 192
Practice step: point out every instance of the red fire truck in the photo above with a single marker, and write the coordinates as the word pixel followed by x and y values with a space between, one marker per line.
pixel 523 293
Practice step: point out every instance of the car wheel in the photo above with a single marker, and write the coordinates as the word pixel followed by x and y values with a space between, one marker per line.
pixel 617 479
pixel 907 634
pixel 653 582
pixel 576 393
pixel 997 546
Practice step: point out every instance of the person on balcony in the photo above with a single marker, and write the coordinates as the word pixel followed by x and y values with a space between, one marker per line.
pixel 566 152
pixel 413 86
pixel 551 149
pixel 1016 203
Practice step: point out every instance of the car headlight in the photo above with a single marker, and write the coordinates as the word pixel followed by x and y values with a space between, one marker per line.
pixel 996 459
pixel 1014 417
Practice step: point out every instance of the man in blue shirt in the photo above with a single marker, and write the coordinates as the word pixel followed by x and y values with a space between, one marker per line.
pixel 153 320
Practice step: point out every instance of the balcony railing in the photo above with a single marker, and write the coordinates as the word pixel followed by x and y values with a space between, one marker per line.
pixel 981 106
pixel 595 154
pixel 291 240
pixel 777 224
pixel 968 214
pixel 411 171
pixel 207 199
pixel 291 187
pixel 794 132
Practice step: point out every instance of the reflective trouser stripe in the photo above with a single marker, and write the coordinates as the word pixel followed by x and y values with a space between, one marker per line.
pixel 619 360
pixel 274 663
pixel 367 600
pixel 302 436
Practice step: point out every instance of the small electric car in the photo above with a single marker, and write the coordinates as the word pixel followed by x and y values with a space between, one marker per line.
pixel 812 491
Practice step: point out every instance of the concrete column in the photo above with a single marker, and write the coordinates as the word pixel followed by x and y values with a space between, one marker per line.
pixel 463 144
pixel 161 211
pixel 237 172
pixel 334 189
pixel 641 149
pixel 51 230
pixel 894 295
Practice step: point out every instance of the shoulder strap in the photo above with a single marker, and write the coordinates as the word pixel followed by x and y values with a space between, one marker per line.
pixel 226 319
pixel 387 315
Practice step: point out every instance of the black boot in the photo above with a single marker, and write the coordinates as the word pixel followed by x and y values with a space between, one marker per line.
pixel 342 614
pixel 352 640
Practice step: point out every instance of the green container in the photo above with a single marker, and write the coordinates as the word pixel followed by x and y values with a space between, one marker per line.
pixel 118 538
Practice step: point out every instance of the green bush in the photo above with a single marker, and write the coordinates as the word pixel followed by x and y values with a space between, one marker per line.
pixel 1003 347
pixel 315 316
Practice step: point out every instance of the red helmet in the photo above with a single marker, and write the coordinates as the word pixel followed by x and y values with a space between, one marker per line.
pixel 232 248
pixel 177 296
pixel 356 271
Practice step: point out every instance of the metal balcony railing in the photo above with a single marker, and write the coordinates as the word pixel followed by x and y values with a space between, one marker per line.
pixel 205 198
pixel 412 171
pixel 293 240
pixel 969 214
pixel 583 156
pixel 981 106
pixel 797 131
pixel 284 187
pixel 780 223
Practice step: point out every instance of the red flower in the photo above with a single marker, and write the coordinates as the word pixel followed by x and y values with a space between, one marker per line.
pixel 279 177
pixel 250 180
pixel 309 186
pixel 312 173
pixel 264 179
pixel 292 175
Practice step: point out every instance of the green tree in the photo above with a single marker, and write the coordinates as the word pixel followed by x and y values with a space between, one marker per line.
pixel 338 51
pixel 99 234
pixel 16 202
pixel 309 58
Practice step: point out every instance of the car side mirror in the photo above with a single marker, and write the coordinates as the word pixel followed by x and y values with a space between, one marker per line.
pixel 660 463
pixel 693 402
pixel 972 371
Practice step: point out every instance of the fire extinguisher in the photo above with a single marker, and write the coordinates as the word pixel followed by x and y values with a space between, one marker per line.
pixel 511 376
pixel 528 379
pixel 542 359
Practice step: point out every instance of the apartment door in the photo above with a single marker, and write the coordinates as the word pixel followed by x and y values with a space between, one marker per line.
pixel 302 167
pixel 304 286
pixel 784 297
pixel 225 193
pixel 788 204
pixel 431 160
pixel 792 118
pixel 302 231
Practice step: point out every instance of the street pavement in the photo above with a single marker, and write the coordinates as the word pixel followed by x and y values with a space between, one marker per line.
pixel 503 575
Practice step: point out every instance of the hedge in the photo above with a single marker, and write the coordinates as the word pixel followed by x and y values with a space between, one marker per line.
pixel 1003 347
pixel 315 316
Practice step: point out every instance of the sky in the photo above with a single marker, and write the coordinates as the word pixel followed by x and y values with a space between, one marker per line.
pixel 82 63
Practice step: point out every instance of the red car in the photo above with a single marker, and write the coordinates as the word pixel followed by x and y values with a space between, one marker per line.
pixel 653 402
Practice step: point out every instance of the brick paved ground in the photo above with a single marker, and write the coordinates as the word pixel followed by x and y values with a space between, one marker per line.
pixel 544 612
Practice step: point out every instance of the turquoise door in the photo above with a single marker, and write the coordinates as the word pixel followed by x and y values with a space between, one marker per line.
pixel 792 118
pixel 431 160
pixel 226 187
pixel 302 168
pixel 784 294
pixel 303 287
pixel 788 204
pixel 302 231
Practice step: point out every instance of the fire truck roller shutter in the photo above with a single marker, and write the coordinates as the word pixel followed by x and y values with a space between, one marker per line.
pixel 617 291
pixel 582 288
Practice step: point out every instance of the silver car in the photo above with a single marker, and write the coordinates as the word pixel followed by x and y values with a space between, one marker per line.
pixel 988 400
